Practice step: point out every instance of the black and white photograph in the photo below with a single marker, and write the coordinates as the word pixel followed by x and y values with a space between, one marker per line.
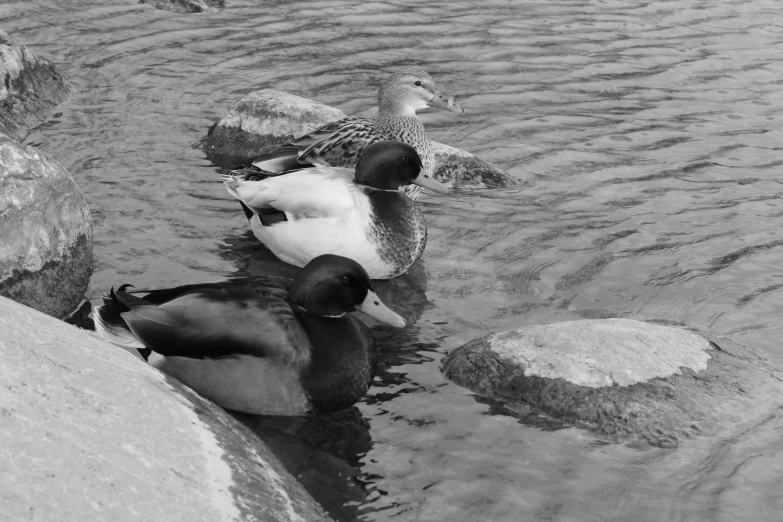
pixel 391 261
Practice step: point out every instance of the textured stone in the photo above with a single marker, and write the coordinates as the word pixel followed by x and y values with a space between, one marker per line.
pixel 90 432
pixel 459 168
pixel 45 232
pixel 29 87
pixel 185 6
pixel 265 119
pixel 621 377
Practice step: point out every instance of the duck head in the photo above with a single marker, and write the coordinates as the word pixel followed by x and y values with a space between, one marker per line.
pixel 410 90
pixel 330 286
pixel 389 165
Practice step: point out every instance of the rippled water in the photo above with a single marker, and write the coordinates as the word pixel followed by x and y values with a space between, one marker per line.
pixel 647 136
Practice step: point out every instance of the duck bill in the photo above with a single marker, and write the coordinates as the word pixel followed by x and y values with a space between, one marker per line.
pixel 431 184
pixel 374 307
pixel 444 102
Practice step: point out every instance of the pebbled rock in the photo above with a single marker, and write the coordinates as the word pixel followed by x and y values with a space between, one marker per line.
pixel 45 232
pixel 185 6
pixel 29 87
pixel 265 119
pixel 90 432
pixel 621 377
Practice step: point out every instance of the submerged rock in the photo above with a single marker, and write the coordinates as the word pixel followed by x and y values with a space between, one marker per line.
pixel 265 119
pixel 45 232
pixel 90 432
pixel 459 168
pixel 621 377
pixel 29 87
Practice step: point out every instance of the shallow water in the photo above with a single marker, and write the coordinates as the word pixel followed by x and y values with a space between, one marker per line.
pixel 647 137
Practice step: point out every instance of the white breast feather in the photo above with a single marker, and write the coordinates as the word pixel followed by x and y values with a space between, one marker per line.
pixel 302 238
pixel 321 192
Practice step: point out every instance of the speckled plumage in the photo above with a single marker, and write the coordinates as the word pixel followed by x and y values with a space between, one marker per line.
pixel 341 143
pixel 398 229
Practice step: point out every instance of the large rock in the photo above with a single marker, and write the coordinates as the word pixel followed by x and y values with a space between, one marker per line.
pixel 29 87
pixel 264 119
pixel 45 232
pixel 622 377
pixel 90 432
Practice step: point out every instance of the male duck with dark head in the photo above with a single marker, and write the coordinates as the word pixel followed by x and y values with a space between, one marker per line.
pixel 360 215
pixel 264 345
pixel 340 144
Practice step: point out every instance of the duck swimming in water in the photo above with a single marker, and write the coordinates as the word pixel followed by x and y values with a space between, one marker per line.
pixel 340 144
pixel 360 215
pixel 261 345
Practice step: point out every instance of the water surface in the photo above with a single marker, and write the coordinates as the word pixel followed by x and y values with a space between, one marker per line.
pixel 646 135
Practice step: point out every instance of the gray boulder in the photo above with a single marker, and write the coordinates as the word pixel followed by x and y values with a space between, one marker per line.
pixel 90 432
pixel 45 232
pixel 621 377
pixel 31 86
pixel 265 119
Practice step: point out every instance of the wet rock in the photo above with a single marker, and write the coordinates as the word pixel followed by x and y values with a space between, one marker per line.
pixel 185 6
pixel 624 378
pixel 263 120
pixel 90 432
pixel 459 168
pixel 29 87
pixel 267 118
pixel 45 232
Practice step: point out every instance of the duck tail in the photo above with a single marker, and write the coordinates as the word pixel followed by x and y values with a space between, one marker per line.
pixel 283 159
pixel 110 325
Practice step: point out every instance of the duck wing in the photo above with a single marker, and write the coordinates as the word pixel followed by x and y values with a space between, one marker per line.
pixel 339 143
pixel 219 320
pixel 309 193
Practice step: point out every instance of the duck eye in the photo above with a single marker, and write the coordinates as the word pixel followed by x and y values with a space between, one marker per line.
pixel 345 279
pixel 404 159
pixel 417 83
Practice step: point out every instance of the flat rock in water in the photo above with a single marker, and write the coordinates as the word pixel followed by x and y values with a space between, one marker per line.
pixel 622 377
pixel 30 87
pixel 265 119
pixel 90 432
pixel 45 232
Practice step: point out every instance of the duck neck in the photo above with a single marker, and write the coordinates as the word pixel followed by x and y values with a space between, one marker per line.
pixel 342 360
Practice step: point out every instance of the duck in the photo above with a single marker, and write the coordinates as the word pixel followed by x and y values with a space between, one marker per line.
pixel 356 214
pixel 341 143
pixel 262 345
